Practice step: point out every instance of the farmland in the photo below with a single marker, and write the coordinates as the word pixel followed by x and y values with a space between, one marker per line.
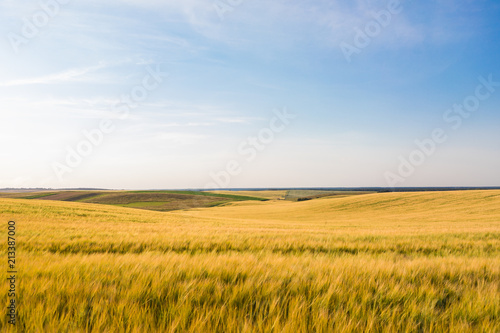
pixel 149 200
pixel 396 262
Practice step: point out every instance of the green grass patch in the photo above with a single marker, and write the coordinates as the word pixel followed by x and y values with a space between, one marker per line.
pixel 89 197
pixel 216 203
pixel 41 195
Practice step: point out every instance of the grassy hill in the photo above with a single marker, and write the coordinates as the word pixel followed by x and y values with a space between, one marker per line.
pixel 376 262
pixel 266 194
pixel 149 200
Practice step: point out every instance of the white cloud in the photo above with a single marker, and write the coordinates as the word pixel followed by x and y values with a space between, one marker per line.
pixel 71 75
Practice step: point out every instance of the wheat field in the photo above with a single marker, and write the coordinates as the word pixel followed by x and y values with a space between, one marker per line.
pixel 392 262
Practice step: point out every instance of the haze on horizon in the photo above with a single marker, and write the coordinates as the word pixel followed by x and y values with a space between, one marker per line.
pixel 190 94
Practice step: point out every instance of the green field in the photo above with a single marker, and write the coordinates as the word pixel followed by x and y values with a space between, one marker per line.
pixel 391 262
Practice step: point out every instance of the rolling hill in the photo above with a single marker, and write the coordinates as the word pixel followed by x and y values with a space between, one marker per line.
pixel 376 262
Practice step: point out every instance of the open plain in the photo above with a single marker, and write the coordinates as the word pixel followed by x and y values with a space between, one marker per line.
pixel 395 262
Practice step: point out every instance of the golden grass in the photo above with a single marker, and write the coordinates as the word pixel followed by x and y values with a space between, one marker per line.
pixel 396 262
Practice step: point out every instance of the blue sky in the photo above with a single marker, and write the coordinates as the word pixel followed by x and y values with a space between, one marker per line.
pixel 355 120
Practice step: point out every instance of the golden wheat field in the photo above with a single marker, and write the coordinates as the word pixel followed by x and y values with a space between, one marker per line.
pixel 391 262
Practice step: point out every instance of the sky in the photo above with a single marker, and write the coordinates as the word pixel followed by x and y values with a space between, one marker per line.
pixel 151 94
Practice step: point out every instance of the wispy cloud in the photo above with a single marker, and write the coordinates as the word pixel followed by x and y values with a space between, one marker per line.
pixel 238 120
pixel 71 75
pixel 152 140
